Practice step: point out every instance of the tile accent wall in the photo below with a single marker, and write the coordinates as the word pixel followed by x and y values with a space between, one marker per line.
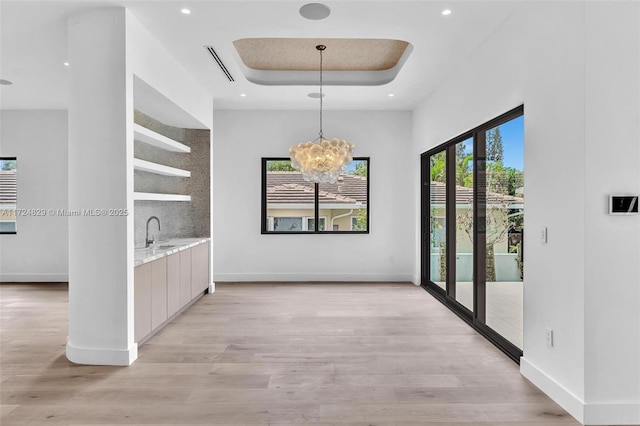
pixel 178 219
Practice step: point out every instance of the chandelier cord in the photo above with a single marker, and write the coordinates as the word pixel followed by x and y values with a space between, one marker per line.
pixel 320 49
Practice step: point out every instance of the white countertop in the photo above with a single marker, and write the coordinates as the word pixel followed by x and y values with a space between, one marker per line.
pixel 165 248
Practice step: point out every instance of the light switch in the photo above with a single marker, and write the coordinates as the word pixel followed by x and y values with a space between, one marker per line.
pixel 543 235
pixel 549 337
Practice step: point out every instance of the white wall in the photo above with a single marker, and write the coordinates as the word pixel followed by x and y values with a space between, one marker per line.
pixel 38 252
pixel 612 243
pixel 241 253
pixel 584 282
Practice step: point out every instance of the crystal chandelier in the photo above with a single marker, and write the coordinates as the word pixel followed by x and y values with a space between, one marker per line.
pixel 321 162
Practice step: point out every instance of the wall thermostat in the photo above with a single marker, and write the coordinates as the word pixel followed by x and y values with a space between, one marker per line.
pixel 623 204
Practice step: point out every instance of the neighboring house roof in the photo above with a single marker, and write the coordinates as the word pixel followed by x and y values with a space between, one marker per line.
pixel 464 195
pixel 291 188
pixel 8 187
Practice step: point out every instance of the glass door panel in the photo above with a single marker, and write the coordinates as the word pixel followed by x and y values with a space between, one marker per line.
pixel 464 223
pixel 504 222
pixel 437 219
pixel 473 227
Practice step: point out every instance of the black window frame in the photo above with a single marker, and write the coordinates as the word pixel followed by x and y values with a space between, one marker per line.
pixel 316 207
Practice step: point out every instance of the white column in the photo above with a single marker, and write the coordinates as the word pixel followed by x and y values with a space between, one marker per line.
pixel 100 177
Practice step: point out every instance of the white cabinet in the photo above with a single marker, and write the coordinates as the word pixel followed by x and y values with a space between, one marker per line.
pixel 199 269
pixel 150 297
pixel 185 277
pixel 158 292
pixel 164 286
pixel 142 301
pixel 173 284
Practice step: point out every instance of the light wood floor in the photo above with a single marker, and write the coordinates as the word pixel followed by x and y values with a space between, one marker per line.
pixel 271 354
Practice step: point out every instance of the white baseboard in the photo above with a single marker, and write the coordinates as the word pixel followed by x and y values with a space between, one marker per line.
pixel 623 413
pixel 92 356
pixel 562 396
pixel 297 277
pixel 33 278
pixel 612 414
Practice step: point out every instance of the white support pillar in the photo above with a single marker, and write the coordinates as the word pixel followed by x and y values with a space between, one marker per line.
pixel 100 189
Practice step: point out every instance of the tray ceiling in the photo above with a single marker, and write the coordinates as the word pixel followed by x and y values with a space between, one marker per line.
pixel 300 54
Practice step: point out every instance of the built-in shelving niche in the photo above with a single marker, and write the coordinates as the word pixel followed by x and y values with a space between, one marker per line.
pixel 171 168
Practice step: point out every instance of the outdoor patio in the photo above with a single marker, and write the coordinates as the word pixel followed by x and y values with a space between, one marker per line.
pixel 504 306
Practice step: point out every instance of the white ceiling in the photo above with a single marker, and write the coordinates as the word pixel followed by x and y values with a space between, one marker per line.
pixel 33 46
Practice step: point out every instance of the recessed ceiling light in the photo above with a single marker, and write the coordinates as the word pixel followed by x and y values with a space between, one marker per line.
pixel 185 11
pixel 315 11
pixel 243 94
pixel 6 82
pixel 316 95
pixel 391 95
pixel 66 64
pixel 446 12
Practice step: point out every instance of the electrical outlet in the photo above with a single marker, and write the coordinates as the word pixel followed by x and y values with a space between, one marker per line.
pixel 549 337
pixel 543 235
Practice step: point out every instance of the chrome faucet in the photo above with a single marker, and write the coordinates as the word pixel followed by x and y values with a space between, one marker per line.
pixel 148 241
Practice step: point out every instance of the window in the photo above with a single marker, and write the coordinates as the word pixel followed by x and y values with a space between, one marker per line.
pixel 290 205
pixel 8 195
pixel 311 223
pixel 291 224
pixel 358 224
pixel 287 224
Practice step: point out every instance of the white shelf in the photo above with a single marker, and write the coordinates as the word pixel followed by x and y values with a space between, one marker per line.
pixel 145 135
pixel 148 166
pixel 150 196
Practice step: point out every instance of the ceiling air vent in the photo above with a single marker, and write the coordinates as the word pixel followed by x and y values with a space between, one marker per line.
pixel 219 62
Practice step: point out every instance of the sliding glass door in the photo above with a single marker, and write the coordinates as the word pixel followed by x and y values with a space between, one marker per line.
pixel 464 211
pixel 473 227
